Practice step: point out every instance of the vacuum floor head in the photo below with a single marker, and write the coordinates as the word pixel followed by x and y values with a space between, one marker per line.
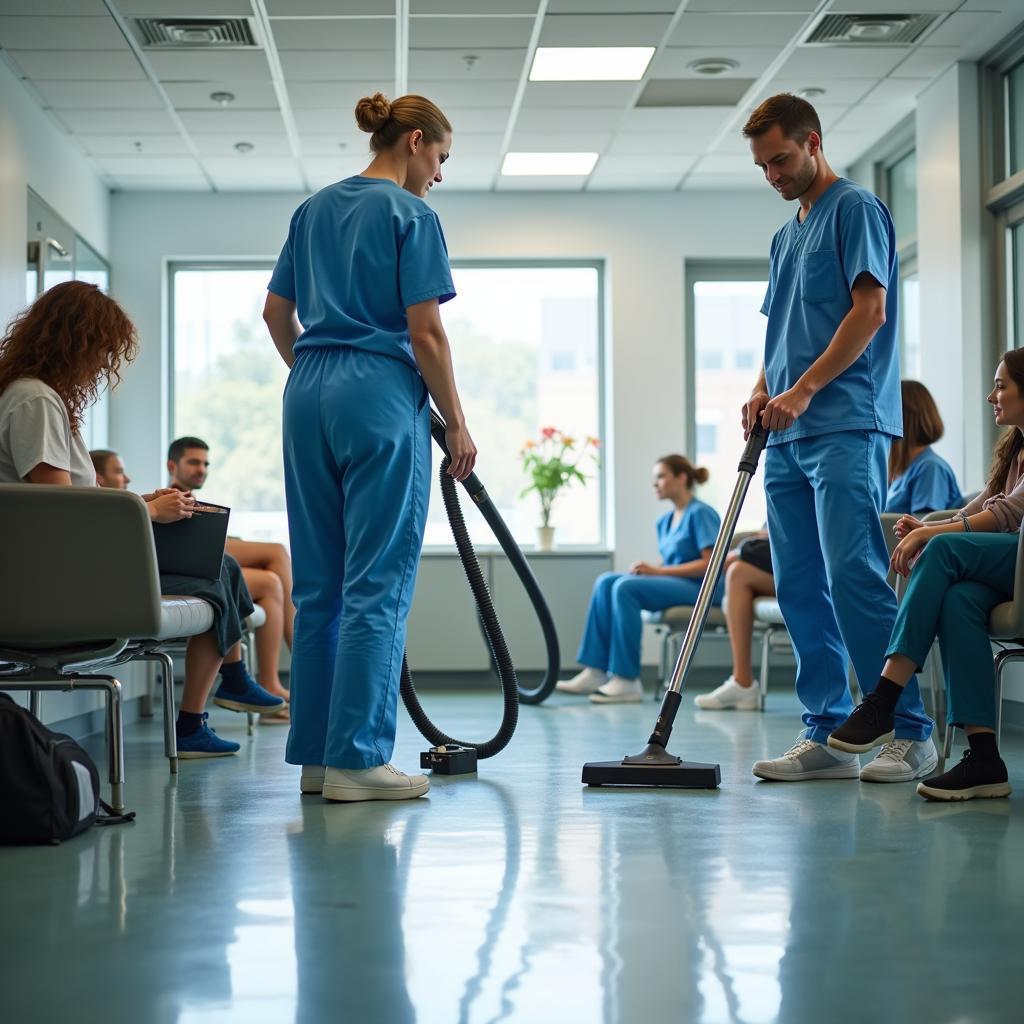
pixel 682 775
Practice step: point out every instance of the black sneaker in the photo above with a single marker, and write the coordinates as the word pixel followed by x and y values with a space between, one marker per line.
pixel 971 778
pixel 869 725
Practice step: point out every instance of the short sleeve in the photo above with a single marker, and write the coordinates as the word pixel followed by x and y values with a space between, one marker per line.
pixel 282 280
pixel 38 431
pixel 704 526
pixel 865 240
pixel 929 489
pixel 766 306
pixel 423 269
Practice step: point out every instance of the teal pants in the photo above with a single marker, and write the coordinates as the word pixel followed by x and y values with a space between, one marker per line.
pixel 954 585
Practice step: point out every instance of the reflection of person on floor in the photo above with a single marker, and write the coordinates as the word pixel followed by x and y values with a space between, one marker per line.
pixel 266 568
pixel 959 570
pixel 748 575
pixel 611 637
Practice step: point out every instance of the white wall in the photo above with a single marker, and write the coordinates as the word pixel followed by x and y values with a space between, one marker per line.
pixel 643 238
pixel 35 154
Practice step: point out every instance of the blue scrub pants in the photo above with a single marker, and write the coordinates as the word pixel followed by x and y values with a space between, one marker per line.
pixel 825 495
pixel 611 637
pixel 954 586
pixel 357 483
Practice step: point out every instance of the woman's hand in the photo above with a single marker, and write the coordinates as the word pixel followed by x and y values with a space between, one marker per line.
pixel 909 548
pixel 169 506
pixel 644 569
pixel 161 490
pixel 462 450
pixel 905 524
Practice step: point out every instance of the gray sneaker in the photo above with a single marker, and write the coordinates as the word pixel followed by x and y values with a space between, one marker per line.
pixel 902 761
pixel 808 760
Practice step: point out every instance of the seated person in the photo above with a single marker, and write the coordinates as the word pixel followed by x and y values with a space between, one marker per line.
pixel 267 568
pixel 54 358
pixel 959 570
pixel 748 575
pixel 110 471
pixel 611 637
pixel 919 480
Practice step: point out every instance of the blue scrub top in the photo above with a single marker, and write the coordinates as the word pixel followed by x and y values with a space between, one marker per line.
pixel 928 484
pixel 358 254
pixel 813 267
pixel 696 530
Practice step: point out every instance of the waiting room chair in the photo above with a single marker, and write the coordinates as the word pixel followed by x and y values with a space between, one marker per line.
pixel 80 594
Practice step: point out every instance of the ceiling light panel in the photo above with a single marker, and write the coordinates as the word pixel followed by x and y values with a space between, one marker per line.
pixel 534 164
pixel 590 63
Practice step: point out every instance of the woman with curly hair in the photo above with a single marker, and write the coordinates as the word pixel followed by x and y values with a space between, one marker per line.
pixel 54 360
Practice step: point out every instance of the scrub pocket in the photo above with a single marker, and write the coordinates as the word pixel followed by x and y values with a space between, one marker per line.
pixel 818 279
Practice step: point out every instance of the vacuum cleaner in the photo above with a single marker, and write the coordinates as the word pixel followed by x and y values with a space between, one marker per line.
pixel 654 765
pixel 449 756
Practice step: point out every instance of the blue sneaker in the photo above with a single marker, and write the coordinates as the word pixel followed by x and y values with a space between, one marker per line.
pixel 204 742
pixel 252 697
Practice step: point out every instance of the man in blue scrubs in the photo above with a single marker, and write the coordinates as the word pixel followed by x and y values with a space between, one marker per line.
pixel 829 392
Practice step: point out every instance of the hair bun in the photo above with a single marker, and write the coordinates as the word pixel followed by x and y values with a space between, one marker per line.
pixel 701 475
pixel 373 112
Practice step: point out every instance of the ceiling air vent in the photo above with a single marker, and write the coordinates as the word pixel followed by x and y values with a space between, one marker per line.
pixel 870 29
pixel 195 33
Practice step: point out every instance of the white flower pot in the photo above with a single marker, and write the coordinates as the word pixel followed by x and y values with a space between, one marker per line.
pixel 545 538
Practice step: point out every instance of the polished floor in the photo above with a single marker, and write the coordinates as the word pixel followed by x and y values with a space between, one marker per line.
pixel 520 896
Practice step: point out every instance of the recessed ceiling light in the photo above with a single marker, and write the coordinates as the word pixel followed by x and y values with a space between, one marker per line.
pixel 223 98
pixel 516 164
pixel 590 63
pixel 713 65
pixel 244 147
pixel 811 93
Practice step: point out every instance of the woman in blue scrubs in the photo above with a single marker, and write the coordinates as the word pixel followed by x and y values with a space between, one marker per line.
pixel 920 481
pixel 610 651
pixel 353 309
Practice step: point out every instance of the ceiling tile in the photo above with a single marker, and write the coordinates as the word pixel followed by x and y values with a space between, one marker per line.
pixel 837 90
pixel 728 164
pixel 100 95
pixel 559 142
pixel 322 95
pixel 476 144
pixel 125 145
pixel 90 66
pixel 66 33
pixel 727 31
pixel 333 33
pixel 895 89
pixel 119 122
pixel 485 120
pixel 574 119
pixel 321 8
pixel 722 182
pixel 470 183
pixel 699 120
pixel 367 67
pixel 601 181
pixel 249 95
pixel 545 183
pixel 445 33
pixel 209 65
pixel 238 124
pixel 185 8
pixel 470 167
pixel 451 93
pixel 91 8
pixel 752 6
pixel 264 176
pixel 264 145
pixel 494 7
pixel 603 29
pixel 842 61
pixel 342 145
pixel 326 121
pixel 673 61
pixel 692 92
pixel 655 143
pixel 927 62
pixel 165 166
pixel 451 64
pixel 610 6
pixel 159 183
pixel 888 6
pixel 958 29
pixel 578 94
pixel 874 120
pixel 643 164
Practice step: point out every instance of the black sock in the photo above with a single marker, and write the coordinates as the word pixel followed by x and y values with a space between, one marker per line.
pixel 187 723
pixel 233 676
pixel 983 746
pixel 888 694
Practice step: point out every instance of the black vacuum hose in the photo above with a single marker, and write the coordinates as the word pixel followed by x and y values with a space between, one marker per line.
pixel 511 690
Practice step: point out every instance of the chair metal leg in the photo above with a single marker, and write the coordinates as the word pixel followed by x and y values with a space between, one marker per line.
pixel 35 703
pixel 250 723
pixel 115 740
pixel 170 717
pixel 766 653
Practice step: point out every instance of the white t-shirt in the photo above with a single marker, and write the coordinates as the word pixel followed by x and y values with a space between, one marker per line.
pixel 35 428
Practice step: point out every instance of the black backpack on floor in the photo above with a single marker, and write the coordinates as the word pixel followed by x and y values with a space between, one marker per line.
pixel 49 785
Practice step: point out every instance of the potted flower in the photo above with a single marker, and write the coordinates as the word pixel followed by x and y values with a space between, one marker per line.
pixel 553 462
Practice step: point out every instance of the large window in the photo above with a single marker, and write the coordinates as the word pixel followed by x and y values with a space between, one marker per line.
pixel 727 332
pixel 902 195
pixel 526 342
pixel 526 346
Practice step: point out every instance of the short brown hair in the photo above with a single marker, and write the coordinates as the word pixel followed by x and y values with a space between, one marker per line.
pixel 387 121
pixel 795 116
pixel 100 457
pixel 680 464
pixel 922 425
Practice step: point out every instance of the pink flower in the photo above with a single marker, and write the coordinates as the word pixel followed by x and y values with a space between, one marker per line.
pixel 548 433
pixel 594 441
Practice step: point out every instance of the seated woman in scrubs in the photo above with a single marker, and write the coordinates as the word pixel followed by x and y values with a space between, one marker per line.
pixel 55 358
pixel 959 570
pixel 919 480
pixel 610 652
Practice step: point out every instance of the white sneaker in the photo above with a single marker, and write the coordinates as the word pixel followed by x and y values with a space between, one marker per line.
pixel 730 695
pixel 902 761
pixel 808 760
pixel 312 778
pixel 385 782
pixel 619 691
pixel 587 681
